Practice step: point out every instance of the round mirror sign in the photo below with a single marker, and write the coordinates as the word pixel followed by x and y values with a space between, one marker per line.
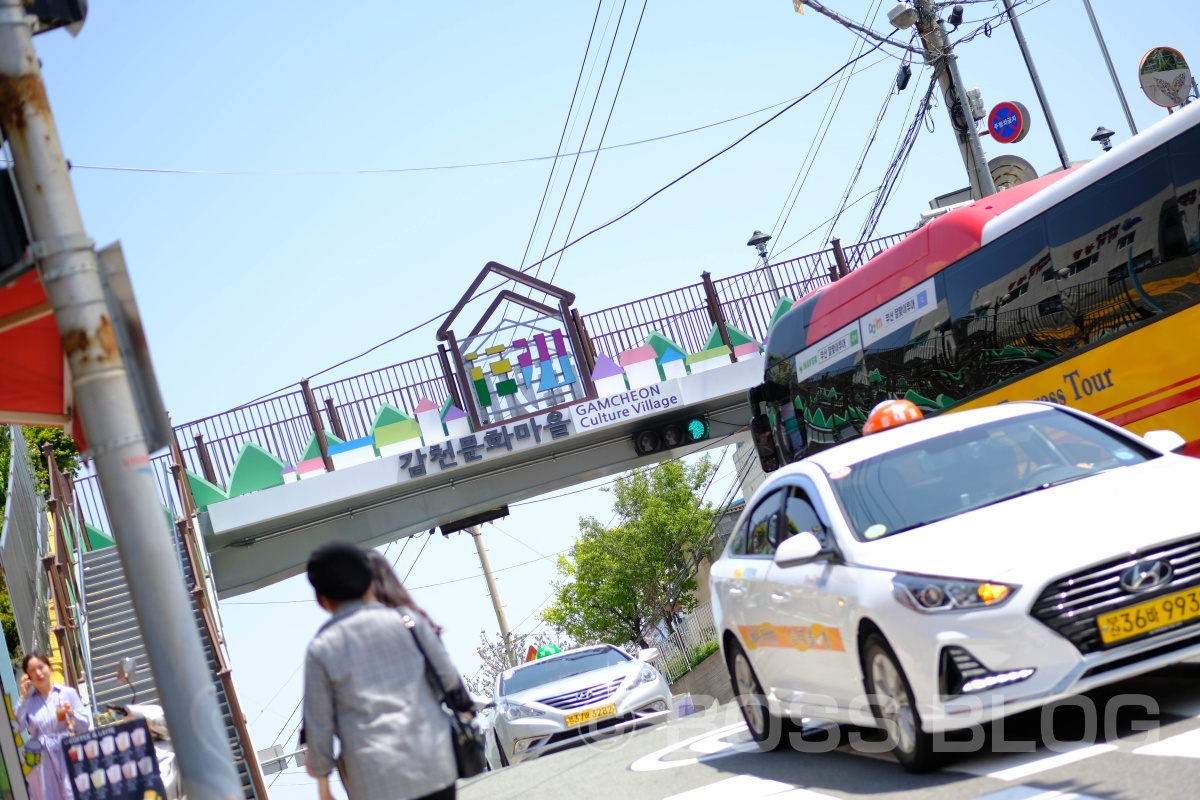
pixel 1165 77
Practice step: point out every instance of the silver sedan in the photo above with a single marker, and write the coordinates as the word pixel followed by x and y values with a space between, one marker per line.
pixel 561 700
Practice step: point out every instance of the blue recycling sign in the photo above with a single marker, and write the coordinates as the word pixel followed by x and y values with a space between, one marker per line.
pixel 1008 122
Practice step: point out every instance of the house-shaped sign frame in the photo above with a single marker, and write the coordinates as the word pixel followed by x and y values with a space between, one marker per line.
pixel 563 313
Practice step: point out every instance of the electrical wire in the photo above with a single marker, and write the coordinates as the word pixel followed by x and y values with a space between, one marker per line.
pixel 788 107
pixel 860 30
pixel 603 135
pixel 831 109
pixel 862 160
pixel 563 136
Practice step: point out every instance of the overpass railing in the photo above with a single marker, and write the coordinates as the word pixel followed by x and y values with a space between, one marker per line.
pixel 284 424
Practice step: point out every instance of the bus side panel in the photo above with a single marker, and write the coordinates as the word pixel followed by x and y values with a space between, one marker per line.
pixel 1143 380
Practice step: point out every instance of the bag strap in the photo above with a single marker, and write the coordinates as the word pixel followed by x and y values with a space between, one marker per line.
pixel 429 669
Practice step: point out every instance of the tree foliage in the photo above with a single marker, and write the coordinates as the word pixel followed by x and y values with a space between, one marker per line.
pixel 495 660
pixel 620 580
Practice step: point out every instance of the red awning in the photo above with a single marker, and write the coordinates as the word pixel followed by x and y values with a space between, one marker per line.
pixel 35 386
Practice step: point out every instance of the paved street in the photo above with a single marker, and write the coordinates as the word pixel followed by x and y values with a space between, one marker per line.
pixel 708 756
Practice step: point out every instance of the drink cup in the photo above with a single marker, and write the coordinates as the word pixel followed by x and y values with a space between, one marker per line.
pixel 145 765
pixel 97 778
pixel 139 737
pixel 106 746
pixel 114 774
pixel 82 781
pixel 92 748
pixel 61 712
pixel 123 741
pixel 129 770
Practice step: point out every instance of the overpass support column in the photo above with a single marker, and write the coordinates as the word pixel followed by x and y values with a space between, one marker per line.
pixel 491 584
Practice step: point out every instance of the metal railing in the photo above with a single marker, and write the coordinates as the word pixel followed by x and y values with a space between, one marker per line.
pixel 283 425
pixel 691 640
pixel 24 539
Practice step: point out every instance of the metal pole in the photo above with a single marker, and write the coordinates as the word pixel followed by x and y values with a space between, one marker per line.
pixel 69 273
pixel 770 275
pixel 1037 85
pixel 939 53
pixel 491 584
pixel 1112 72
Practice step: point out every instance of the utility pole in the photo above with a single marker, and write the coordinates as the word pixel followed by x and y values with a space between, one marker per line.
pixel 939 53
pixel 491 584
pixel 104 400
pixel 1037 85
pixel 1112 73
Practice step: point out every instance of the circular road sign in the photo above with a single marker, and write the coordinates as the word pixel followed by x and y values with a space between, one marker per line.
pixel 1008 122
pixel 1165 77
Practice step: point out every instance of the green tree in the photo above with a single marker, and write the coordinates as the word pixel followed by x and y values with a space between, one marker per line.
pixel 620 580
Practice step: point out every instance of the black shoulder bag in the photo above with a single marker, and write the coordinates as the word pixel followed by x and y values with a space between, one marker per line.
pixel 467 738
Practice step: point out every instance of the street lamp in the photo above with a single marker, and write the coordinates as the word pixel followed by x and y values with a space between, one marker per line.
pixel 1104 136
pixel 759 241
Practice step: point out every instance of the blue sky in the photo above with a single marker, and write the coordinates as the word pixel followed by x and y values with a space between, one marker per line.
pixel 248 282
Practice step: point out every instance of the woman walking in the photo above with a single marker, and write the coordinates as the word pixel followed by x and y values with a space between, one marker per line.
pixel 49 711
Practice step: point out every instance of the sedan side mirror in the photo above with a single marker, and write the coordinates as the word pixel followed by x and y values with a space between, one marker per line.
pixel 1167 441
pixel 648 654
pixel 799 549
pixel 488 706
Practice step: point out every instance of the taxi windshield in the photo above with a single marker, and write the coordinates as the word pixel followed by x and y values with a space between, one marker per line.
pixel 975 467
pixel 559 667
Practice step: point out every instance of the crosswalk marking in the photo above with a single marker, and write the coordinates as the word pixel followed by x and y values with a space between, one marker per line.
pixel 1186 745
pixel 749 787
pixel 1033 793
pixel 1014 766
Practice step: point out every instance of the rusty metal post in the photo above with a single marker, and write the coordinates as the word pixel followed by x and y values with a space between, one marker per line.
pixel 314 417
pixel 334 419
pixel 585 375
pixel 448 374
pixel 70 273
pixel 206 466
pixel 589 349
pixel 839 256
pixel 715 314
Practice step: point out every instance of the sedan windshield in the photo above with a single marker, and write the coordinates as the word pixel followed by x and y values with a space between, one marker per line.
pixel 975 467
pixel 559 667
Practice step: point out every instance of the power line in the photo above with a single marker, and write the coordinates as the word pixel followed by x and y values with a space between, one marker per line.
pixel 603 134
pixel 562 137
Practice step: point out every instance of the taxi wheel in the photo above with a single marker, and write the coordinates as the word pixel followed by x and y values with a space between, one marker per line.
pixel 894 707
pixel 500 750
pixel 769 731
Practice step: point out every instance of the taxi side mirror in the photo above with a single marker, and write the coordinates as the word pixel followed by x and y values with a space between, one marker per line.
pixel 1167 441
pixel 648 654
pixel 799 549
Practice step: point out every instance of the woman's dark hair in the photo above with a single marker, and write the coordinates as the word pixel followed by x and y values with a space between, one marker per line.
pixel 34 654
pixel 387 588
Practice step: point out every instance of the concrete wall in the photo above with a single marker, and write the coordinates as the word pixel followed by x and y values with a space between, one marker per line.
pixel 708 682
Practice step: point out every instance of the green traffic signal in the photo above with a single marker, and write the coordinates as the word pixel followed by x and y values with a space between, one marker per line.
pixel 697 430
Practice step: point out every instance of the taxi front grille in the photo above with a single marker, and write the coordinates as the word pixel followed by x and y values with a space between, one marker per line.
pixel 580 698
pixel 1071 605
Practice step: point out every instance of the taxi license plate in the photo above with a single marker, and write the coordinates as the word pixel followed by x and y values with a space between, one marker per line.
pixel 1145 617
pixel 590 714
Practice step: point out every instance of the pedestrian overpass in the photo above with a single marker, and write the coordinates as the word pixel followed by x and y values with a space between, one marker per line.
pixel 516 408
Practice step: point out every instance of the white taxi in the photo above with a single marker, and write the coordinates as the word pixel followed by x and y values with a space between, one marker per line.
pixel 956 570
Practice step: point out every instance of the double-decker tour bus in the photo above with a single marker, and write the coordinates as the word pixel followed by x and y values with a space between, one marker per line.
pixel 1079 288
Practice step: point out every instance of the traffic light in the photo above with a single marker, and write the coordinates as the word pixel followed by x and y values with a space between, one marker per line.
pixel 670 435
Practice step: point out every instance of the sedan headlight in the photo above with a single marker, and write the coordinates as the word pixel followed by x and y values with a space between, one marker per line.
pixel 647 674
pixel 927 594
pixel 515 711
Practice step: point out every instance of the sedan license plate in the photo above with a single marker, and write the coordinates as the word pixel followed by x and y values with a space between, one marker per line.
pixel 1145 617
pixel 587 715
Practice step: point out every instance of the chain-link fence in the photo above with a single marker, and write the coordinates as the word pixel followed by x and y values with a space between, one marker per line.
pixel 24 539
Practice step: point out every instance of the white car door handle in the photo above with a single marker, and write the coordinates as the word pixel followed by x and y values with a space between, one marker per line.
pixel 780 597
pixel 736 590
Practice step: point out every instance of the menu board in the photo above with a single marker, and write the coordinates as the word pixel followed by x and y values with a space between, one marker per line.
pixel 116 762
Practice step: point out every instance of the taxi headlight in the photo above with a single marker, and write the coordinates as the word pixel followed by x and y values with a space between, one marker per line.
pixel 647 674
pixel 929 594
pixel 514 711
